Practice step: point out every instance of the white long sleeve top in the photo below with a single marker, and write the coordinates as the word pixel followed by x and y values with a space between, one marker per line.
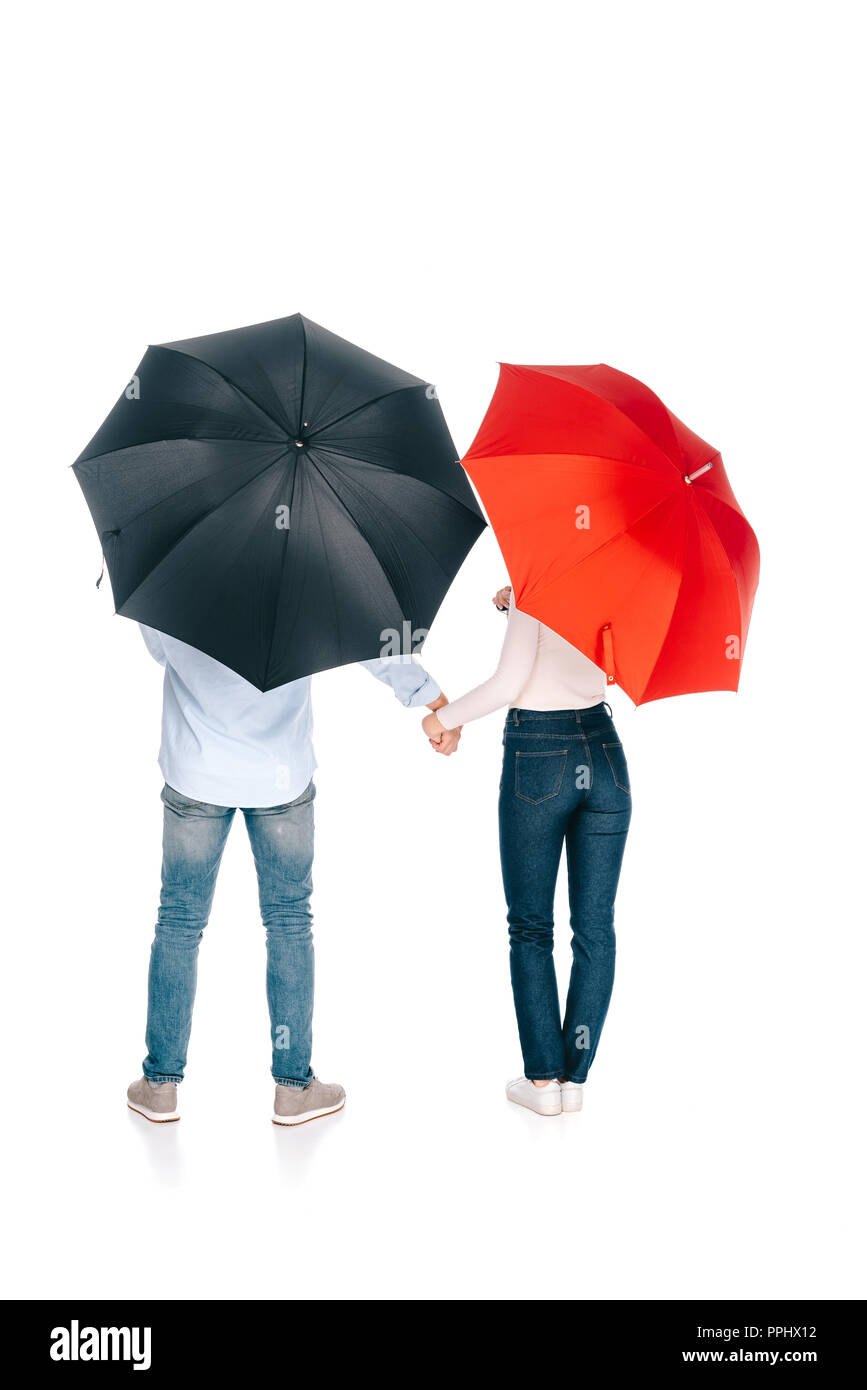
pixel 537 670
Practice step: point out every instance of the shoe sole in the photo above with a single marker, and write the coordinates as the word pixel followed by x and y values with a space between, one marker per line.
pixel 151 1115
pixel 304 1118
pixel 572 1109
pixel 533 1111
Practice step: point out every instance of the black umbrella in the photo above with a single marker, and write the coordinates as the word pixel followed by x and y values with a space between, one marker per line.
pixel 280 499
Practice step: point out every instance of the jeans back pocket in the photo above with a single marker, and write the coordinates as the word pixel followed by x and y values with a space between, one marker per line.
pixel 617 762
pixel 539 776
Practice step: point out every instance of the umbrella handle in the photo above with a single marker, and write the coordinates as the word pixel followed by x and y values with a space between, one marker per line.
pixel 608 653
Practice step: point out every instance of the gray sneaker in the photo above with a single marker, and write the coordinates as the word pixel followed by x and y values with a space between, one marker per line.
pixel 295 1105
pixel 156 1100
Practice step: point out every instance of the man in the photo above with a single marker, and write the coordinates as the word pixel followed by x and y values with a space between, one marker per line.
pixel 225 745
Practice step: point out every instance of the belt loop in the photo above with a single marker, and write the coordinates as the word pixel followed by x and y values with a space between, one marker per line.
pixel 515 719
pixel 577 716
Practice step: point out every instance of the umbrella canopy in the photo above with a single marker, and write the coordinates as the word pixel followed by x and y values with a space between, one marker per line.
pixel 618 526
pixel 279 499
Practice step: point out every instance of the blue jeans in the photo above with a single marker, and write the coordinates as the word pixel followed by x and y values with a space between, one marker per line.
pixel 564 779
pixel 194 836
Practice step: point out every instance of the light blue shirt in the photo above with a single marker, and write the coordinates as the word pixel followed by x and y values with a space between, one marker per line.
pixel 224 741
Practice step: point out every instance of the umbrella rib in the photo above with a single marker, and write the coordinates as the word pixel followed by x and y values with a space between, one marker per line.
pixel 381 468
pixel 637 583
pixel 205 478
pixel 280 579
pixel 391 512
pixel 179 438
pixel 303 385
pixel 736 511
pixel 689 518
pixel 365 405
pixel 723 502
pixel 341 502
pixel 724 548
pixel 620 411
pixel 190 529
pixel 334 609
pixel 229 382
pixel 596 549
pixel 215 599
pixel 568 454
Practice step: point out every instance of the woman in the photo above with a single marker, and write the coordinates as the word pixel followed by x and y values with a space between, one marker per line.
pixel 564 778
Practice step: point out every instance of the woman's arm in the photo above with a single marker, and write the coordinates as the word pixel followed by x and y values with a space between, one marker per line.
pixel 509 679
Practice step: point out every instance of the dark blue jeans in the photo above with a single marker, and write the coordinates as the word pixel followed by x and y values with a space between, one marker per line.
pixel 564 779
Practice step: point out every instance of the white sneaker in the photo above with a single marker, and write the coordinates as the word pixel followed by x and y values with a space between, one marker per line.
pixel 545 1100
pixel 571 1095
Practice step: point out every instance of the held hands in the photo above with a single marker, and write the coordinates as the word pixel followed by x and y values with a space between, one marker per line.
pixel 441 740
pixel 444 740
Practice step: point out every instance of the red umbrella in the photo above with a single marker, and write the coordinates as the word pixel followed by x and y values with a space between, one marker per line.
pixel 618 526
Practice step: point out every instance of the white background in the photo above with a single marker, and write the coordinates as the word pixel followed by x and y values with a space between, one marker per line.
pixel 671 188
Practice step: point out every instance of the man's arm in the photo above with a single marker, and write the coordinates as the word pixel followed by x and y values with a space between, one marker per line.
pixel 412 686
pixel 409 681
